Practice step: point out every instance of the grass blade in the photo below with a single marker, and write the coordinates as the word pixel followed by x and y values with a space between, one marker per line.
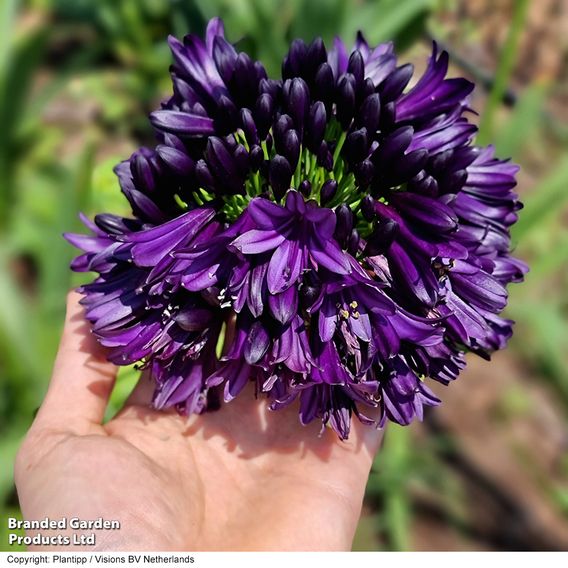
pixel 505 68
pixel 544 201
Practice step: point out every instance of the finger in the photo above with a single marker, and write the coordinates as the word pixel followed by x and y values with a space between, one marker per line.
pixel 82 378
pixel 369 435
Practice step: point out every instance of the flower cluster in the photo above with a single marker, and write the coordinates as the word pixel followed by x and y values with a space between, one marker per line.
pixel 333 235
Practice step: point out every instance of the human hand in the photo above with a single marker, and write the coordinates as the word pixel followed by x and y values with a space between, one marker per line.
pixel 243 478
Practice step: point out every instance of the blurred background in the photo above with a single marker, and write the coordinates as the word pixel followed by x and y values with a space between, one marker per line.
pixel 486 471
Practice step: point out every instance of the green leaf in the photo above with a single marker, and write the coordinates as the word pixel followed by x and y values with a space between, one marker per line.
pixel 4 531
pixel 393 464
pixel 8 11
pixel 15 85
pixel 385 19
pixel 507 60
pixel 57 253
pixel 556 258
pixel 544 339
pixel 323 18
pixel 125 382
pixel 9 445
pixel 524 120
pixel 16 346
pixel 545 200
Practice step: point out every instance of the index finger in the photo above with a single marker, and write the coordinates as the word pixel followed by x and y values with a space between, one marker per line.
pixel 82 378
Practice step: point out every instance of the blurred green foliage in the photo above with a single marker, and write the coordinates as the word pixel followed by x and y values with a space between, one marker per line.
pixel 77 79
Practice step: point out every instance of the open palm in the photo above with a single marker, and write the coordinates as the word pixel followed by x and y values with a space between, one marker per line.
pixel 242 478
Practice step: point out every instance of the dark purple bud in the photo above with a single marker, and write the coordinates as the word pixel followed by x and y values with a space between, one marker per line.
pixel 199 110
pixel 295 59
pixel 453 182
pixel 315 57
pixel 370 113
pixel 309 293
pixel 368 208
pixel 345 100
pixel 427 186
pixel 325 158
pixel 183 91
pixel 116 225
pixel 220 160
pixel 256 344
pixel 316 126
pixel 393 146
pixel 426 211
pixel 157 165
pixel 279 176
pixel 356 67
pixel 249 127
pixel 324 84
pixel 182 123
pixel 256 158
pixel 393 86
pixel 230 142
pixel 192 318
pixel 142 173
pixel 270 87
pixel 286 86
pixel 439 163
pixel 225 57
pixel 263 169
pixel 463 157
pixel 178 162
pixel 388 116
pixel 284 306
pixel 243 83
pixel 211 296
pixel 364 173
pixel 298 102
pixel 382 237
pixel 282 125
pixel 356 147
pixel 175 142
pixel 143 207
pixel 305 188
pixel 291 148
pixel 227 113
pixel 368 88
pixel 260 71
pixel 263 113
pixel 353 242
pixel 328 190
pixel 242 160
pixel 410 164
pixel 204 176
pixel 344 222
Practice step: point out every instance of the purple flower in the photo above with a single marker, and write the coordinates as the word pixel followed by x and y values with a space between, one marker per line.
pixel 333 235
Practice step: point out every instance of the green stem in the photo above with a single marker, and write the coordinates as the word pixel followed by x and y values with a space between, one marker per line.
pixel 504 70
pixel 298 171
pixel 397 505
pixel 339 146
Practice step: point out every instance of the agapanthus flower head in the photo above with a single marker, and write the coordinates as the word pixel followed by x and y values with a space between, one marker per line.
pixel 333 235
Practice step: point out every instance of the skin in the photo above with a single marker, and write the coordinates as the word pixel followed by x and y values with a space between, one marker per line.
pixel 242 478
